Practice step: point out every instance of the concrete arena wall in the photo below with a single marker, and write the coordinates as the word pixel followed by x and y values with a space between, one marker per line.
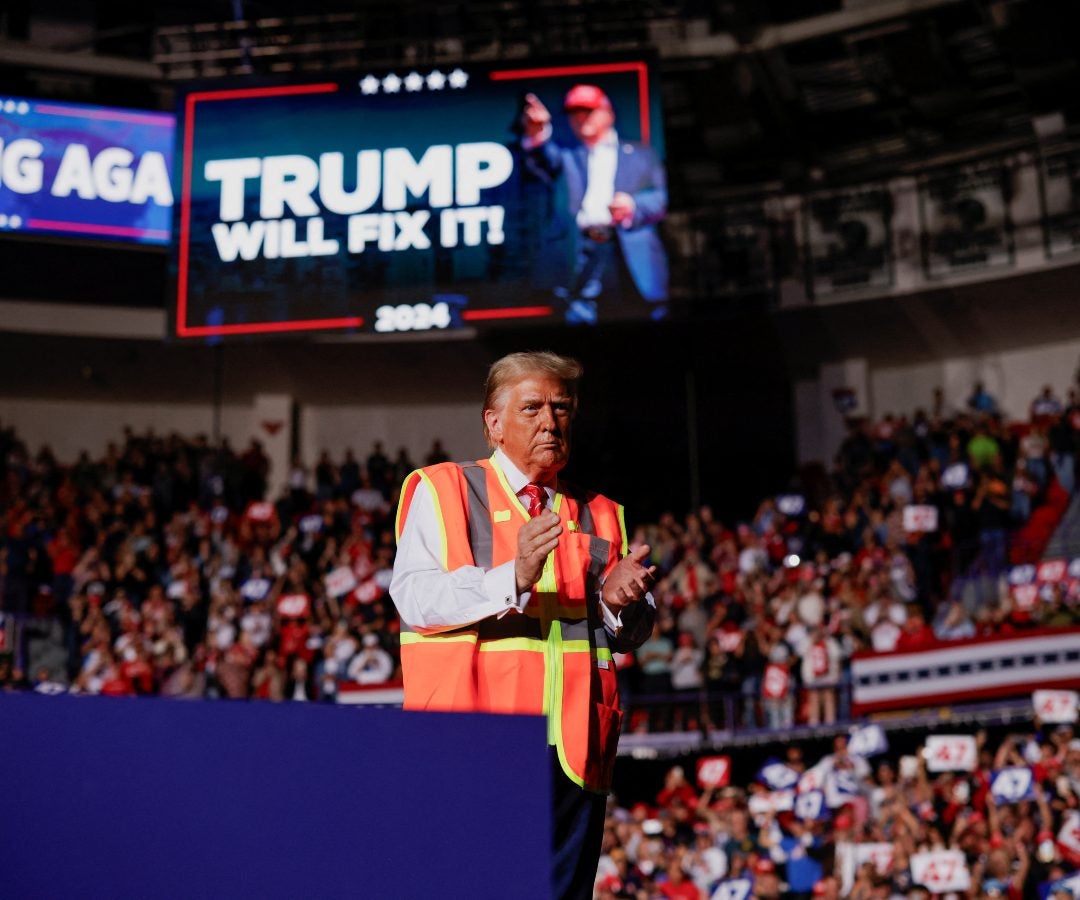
pixel 71 426
pixel 1014 377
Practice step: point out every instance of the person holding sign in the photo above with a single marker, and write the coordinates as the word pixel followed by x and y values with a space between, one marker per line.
pixel 616 194
pixel 502 555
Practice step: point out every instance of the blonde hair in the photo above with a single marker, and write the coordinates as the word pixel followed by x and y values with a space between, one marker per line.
pixel 516 366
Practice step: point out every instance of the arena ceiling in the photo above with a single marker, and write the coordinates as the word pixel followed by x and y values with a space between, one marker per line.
pixel 790 94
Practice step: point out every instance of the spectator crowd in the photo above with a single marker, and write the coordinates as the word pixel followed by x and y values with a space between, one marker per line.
pixel 1002 823
pixel 162 568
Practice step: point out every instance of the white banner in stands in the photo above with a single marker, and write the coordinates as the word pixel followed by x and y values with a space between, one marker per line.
pixel 950 753
pixel 841 787
pixel 1055 706
pixel 255 589
pixel 340 581
pixel 941 871
pixel 352 694
pixel 880 855
pixel 960 671
pixel 1069 836
pixel 778 776
pixel 713 771
pixel 736 889
pixel 293 606
pixel 920 518
pixel 867 741
pixel 811 805
pixel 773 802
pixel 1013 784
pixel 813 779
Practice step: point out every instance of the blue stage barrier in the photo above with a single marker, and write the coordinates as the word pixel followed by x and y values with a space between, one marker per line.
pixel 140 798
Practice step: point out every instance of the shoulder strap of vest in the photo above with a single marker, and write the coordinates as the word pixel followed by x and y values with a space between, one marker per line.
pixel 480 538
pixel 581 499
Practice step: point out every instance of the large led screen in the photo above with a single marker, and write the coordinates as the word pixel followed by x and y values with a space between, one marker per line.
pixel 73 170
pixel 420 200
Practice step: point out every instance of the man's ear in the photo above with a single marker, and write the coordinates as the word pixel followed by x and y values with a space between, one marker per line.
pixel 494 426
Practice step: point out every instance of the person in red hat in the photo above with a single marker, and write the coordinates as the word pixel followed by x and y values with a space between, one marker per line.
pixel 616 193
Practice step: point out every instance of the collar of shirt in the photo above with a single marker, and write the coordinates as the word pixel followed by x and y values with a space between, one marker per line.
pixel 610 141
pixel 517 479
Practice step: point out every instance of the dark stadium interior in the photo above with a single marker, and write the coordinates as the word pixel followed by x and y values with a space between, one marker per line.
pixel 849 433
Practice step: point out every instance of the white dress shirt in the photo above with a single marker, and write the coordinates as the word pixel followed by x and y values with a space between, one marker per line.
pixel 429 597
pixel 603 158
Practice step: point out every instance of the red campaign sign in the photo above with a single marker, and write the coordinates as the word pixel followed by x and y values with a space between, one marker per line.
pixel 363 568
pixel 714 771
pixel 1069 836
pixel 260 512
pixel 293 606
pixel 368 592
pixel 1051 570
pixel 1025 596
pixel 729 640
pixel 920 518
pixel 774 685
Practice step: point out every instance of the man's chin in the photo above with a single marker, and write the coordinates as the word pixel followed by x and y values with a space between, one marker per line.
pixel 550 459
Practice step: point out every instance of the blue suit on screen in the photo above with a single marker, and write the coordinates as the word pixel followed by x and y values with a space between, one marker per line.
pixel 639 173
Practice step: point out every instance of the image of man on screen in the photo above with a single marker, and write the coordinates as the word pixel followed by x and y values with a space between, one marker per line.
pixel 616 194
pixel 514 589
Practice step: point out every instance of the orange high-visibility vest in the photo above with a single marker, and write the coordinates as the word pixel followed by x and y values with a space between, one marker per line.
pixel 553 659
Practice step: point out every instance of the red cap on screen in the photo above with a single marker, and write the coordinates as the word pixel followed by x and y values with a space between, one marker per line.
pixel 586 96
pixel 764 866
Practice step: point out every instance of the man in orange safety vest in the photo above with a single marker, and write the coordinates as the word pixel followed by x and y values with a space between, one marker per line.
pixel 515 587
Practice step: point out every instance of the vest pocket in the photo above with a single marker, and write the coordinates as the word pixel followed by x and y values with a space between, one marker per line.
pixel 440 674
pixel 510 680
pixel 605 724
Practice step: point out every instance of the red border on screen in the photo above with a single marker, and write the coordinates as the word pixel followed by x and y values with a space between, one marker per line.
pixel 182 328
pixel 506 312
pixel 524 312
pixel 160 120
pixel 90 228
pixel 640 68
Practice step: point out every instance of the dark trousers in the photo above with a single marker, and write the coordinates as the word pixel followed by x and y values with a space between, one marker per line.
pixel 578 820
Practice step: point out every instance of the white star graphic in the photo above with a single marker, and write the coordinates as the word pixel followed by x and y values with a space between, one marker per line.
pixel 391 84
pixel 414 81
pixel 370 85
pixel 436 80
pixel 458 79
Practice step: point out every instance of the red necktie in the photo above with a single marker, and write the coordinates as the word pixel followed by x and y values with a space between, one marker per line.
pixel 532 496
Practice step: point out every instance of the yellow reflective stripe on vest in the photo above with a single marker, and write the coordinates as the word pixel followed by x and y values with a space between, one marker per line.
pixel 555 732
pixel 553 684
pixel 412 637
pixel 622 529
pixel 532 645
pixel 515 502
pixel 535 645
pixel 443 548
